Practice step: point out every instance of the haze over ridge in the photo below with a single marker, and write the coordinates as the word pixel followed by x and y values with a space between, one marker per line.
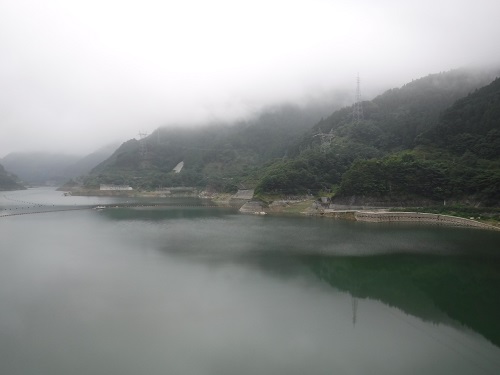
pixel 77 75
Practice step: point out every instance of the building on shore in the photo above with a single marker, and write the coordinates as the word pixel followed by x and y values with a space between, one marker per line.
pixel 114 187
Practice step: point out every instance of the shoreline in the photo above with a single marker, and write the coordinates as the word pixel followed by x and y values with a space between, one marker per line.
pixel 384 216
pixel 309 207
pixel 414 217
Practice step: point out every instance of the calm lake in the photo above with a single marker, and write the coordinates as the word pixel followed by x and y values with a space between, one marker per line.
pixel 185 289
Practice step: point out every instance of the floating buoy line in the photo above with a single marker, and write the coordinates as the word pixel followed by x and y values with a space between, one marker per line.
pixel 16 211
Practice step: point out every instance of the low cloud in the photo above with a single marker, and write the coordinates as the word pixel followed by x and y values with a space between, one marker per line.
pixel 77 75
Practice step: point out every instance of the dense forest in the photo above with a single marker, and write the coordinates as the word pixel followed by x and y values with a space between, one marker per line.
pixel 458 158
pixel 219 157
pixel 435 138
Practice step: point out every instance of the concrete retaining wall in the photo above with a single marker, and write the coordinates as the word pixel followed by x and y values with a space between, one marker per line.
pixel 244 194
pixel 421 218
pixel 344 215
pixel 252 208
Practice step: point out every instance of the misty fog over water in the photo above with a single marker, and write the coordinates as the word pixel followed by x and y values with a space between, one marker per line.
pixel 194 290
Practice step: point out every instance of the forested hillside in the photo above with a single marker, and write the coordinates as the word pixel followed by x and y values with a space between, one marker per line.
pixel 217 156
pixel 435 138
pixel 471 124
pixel 90 161
pixel 458 159
pixel 393 120
pixel 391 153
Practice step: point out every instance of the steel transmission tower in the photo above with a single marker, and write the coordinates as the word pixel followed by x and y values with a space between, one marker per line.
pixel 357 109
pixel 326 139
pixel 143 148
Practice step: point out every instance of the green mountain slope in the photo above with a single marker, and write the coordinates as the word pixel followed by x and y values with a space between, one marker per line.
pixel 90 161
pixel 216 156
pixel 434 139
pixel 458 159
pixel 389 153
pixel 393 120
pixel 470 124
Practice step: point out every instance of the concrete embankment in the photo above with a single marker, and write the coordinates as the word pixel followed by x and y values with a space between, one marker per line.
pixel 343 215
pixel 252 208
pixel 400 217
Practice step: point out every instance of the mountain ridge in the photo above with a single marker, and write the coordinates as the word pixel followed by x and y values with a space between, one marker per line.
pixel 8 181
pixel 286 153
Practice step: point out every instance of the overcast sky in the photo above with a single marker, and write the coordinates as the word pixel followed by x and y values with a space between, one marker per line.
pixel 75 75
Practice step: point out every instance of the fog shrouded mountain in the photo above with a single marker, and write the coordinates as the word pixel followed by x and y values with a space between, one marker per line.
pixel 8 181
pixel 457 160
pixel 41 168
pixel 410 147
pixel 471 124
pixel 406 147
pixel 217 156
pixel 90 161
pixel 393 120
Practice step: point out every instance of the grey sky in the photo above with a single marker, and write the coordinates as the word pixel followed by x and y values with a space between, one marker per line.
pixel 75 75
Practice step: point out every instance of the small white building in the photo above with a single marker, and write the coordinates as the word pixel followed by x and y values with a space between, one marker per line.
pixel 114 187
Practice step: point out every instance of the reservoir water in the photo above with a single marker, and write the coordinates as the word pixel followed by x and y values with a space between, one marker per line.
pixel 186 289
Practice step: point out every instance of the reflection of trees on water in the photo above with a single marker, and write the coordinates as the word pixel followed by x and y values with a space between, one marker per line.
pixel 354 301
pixel 441 289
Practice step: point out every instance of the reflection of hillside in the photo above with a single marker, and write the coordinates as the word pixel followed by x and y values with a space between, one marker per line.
pixel 433 288
pixel 164 212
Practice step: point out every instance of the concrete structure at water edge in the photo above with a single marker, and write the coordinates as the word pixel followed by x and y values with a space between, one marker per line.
pixel 253 207
pixel 419 217
pixel 244 194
